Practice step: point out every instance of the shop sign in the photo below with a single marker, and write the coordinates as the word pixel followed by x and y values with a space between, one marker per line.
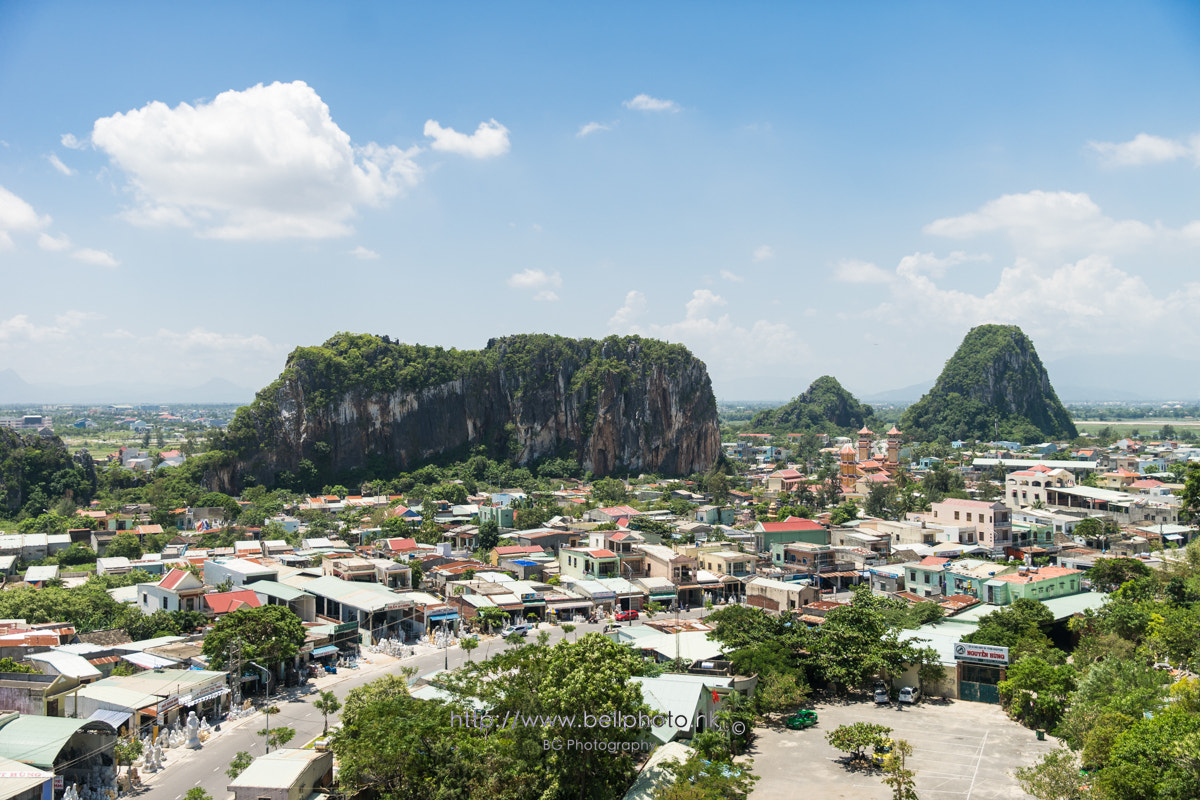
pixel 980 653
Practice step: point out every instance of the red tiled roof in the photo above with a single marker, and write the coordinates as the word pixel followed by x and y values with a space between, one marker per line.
pixel 933 561
pixel 1043 574
pixel 172 578
pixel 224 602
pixel 517 549
pixel 601 553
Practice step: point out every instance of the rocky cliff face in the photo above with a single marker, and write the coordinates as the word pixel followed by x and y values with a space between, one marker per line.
pixel 364 402
pixel 993 387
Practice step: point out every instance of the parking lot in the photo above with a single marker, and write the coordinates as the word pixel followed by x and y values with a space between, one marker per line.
pixel 961 751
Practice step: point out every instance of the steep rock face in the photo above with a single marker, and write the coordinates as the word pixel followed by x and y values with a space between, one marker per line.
pixel 39 470
pixel 994 386
pixel 364 402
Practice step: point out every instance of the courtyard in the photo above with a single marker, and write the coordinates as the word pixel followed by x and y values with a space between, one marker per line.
pixel 961 751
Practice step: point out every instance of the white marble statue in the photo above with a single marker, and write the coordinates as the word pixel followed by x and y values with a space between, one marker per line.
pixel 192 739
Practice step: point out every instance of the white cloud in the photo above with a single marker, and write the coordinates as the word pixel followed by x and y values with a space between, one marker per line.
pixel 52 243
pixel 1145 149
pixel 490 139
pixel 265 163
pixel 728 348
pixel 1041 220
pixel 57 163
pixel 627 315
pixel 929 264
pixel 644 102
pixel 534 279
pixel 20 328
pixel 17 216
pixel 850 270
pixel 546 296
pixel 70 142
pixel 206 341
pixel 364 253
pixel 1070 306
pixel 764 252
pixel 100 258
pixel 729 276
pixel 592 127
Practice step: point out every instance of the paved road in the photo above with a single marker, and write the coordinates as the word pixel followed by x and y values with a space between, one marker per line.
pixel 206 767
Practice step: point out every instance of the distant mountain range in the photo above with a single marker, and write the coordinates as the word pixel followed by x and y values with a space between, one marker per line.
pixel 14 390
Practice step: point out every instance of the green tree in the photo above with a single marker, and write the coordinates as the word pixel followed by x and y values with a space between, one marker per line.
pixel 1109 574
pixel 269 635
pixel 492 617
pixel 1055 776
pixel 779 691
pixel 699 779
pixel 857 737
pixel 327 703
pixel 1036 693
pixel 196 793
pixel 896 775
pixel 238 764
pixel 468 643
pixel 126 751
pixel 124 545
pixel 609 492
pixel 489 534
pixel 567 629
pixel 8 665
pixel 844 513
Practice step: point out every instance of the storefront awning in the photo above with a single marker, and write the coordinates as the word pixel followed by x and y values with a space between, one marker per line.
pixel 325 650
pixel 114 718
pixel 206 696
pixel 443 615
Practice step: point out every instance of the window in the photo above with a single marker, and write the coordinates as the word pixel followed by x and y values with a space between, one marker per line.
pixel 145 597
pixel 968 516
pixel 956 515
pixel 164 602
pixel 926 577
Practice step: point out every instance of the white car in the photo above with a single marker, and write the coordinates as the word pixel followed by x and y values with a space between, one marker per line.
pixel 881 696
pixel 520 628
pixel 910 694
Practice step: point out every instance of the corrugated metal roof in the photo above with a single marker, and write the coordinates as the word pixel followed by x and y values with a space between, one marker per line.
pixel 38 740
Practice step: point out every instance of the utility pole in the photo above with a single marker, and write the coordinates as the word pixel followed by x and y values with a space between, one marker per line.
pixel 235 664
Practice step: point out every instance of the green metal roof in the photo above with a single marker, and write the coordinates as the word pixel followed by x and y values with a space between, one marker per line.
pixel 280 591
pixel 38 740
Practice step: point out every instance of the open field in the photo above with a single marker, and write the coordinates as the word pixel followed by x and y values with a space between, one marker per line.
pixel 1143 426
pixel 961 751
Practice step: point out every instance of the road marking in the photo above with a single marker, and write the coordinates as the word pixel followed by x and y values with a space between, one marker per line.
pixel 978 758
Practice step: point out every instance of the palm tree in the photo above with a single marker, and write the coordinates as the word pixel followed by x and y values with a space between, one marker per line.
pixel 327 704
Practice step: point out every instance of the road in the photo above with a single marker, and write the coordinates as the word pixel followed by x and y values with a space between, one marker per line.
pixel 206 767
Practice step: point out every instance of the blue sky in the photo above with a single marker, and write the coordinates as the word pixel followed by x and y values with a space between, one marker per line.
pixel 188 191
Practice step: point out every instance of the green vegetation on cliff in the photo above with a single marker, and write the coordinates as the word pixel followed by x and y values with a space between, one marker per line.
pixel 37 472
pixel 367 402
pixel 826 407
pixel 993 387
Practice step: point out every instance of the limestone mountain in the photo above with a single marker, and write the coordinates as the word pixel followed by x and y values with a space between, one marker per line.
pixel 366 404
pixel 993 387
pixel 36 471
pixel 825 407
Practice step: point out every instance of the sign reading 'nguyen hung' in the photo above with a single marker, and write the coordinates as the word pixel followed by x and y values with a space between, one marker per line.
pixel 980 653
